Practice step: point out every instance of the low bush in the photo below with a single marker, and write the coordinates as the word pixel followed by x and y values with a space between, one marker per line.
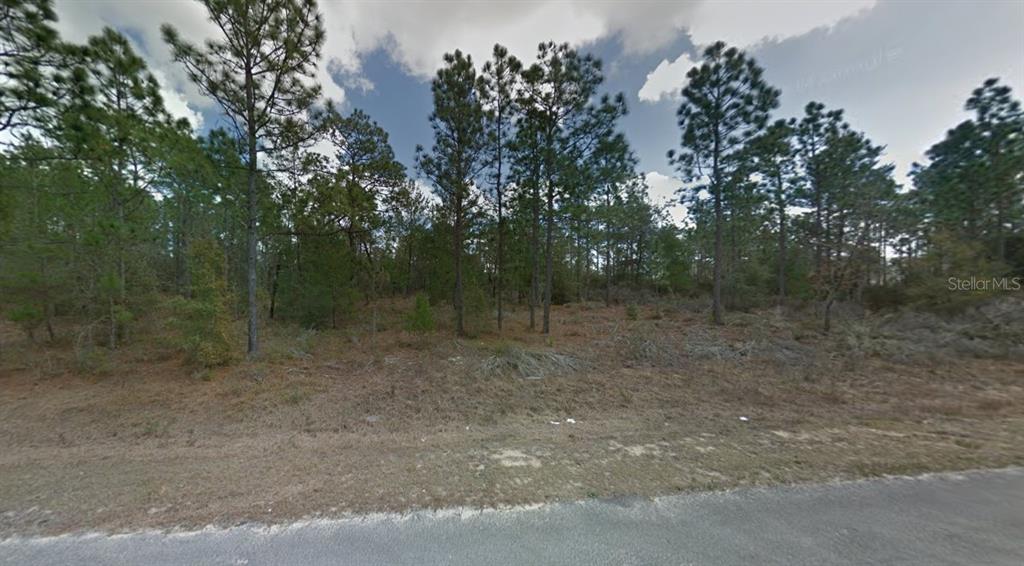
pixel 421 319
pixel 204 321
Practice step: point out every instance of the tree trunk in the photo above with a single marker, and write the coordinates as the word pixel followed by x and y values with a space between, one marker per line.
pixel 253 345
pixel 501 245
pixel 501 224
pixel 121 274
pixel 535 255
pixel 828 313
pixel 273 286
pixel 578 255
pixel 608 274
pixel 253 342
pixel 374 311
pixel 885 260
pixel 181 244
pixel 781 204
pixel 408 280
pixel 49 320
pixel 1000 233
pixel 638 276
pixel 457 251
pixel 549 270
pixel 113 326
pixel 716 290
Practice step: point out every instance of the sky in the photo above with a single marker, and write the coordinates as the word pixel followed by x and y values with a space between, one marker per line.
pixel 900 69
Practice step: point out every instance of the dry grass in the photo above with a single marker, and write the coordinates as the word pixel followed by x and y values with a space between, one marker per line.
pixel 349 420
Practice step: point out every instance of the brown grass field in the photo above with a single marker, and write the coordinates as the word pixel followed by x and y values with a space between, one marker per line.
pixel 345 421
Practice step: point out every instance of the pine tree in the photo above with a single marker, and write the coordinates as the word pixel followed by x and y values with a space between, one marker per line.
pixel 773 157
pixel 858 187
pixel 116 127
pixel 259 73
pixel 726 102
pixel 457 157
pixel 972 184
pixel 814 129
pixel 614 169
pixel 33 61
pixel 500 79
pixel 527 159
pixel 558 106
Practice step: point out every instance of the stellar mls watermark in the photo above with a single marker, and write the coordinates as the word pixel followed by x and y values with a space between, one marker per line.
pixel 985 284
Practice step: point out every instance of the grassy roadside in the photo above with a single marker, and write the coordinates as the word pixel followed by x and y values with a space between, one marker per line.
pixel 343 421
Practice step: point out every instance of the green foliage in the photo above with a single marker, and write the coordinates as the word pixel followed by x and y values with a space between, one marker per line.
pixel 750 285
pixel 971 187
pixel 632 311
pixel 457 157
pixel 571 133
pixel 421 319
pixel 33 67
pixel 91 360
pixel 479 317
pixel 204 320
pixel 952 256
pixel 28 317
pixel 889 298
pixel 106 202
pixel 259 72
pixel 726 104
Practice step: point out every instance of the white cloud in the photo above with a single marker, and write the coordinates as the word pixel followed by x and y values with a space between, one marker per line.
pixel 645 26
pixel 418 34
pixel 415 34
pixel 141 21
pixel 79 20
pixel 662 190
pixel 667 79
pixel 425 190
pixel 175 103
pixel 745 24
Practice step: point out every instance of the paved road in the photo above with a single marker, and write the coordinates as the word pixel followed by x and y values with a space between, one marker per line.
pixel 971 518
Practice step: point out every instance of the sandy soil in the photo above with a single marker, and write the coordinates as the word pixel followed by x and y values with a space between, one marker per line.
pixel 344 421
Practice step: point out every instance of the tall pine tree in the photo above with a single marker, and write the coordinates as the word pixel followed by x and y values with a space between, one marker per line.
pixel 726 102
pixel 259 72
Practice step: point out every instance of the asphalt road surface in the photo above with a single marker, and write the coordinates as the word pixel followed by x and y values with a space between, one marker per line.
pixel 969 518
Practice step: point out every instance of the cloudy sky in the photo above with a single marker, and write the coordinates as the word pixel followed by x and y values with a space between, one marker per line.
pixel 901 69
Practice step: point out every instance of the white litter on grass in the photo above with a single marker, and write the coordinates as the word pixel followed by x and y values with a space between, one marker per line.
pixel 515 458
pixel 744 419
pixel 555 422
pixel 570 421
pixel 643 450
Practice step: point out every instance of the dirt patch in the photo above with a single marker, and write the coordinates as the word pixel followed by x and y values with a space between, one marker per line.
pixel 348 421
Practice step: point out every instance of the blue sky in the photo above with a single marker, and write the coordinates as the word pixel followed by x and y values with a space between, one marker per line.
pixel 902 70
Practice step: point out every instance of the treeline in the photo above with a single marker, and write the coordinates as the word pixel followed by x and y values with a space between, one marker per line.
pixel 109 206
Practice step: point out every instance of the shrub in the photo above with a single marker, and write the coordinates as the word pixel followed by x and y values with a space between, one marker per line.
pixel 888 298
pixel 479 312
pixel 927 284
pixel 421 319
pixel 28 317
pixel 204 320
pixel 632 312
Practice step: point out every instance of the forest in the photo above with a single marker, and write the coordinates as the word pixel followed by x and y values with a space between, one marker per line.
pixel 273 318
pixel 295 210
